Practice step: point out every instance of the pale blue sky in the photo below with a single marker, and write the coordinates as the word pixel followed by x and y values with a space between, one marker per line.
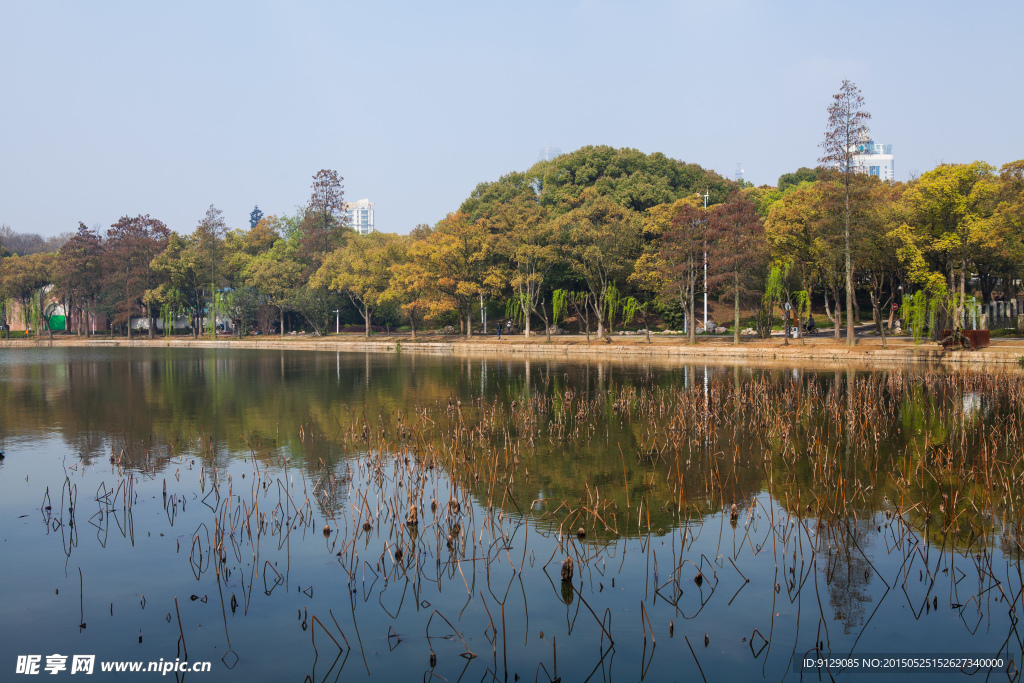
pixel 119 108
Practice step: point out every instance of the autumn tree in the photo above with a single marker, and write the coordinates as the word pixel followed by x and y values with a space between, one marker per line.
pixel 409 284
pixel 78 275
pixel 682 259
pixel 847 126
pixel 361 270
pixel 736 249
pixel 948 209
pixel 242 246
pixel 132 244
pixel 458 266
pixel 322 228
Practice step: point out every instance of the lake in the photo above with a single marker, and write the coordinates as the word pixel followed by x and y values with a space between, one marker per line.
pixel 291 515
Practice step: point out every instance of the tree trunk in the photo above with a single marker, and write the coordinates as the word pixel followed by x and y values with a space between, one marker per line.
pixel 987 285
pixel 736 307
pixel 963 293
pixel 412 326
pixel 851 339
pixel 469 320
pixel 280 311
pixel 881 327
pixel 838 313
pixel 366 317
pixel 547 325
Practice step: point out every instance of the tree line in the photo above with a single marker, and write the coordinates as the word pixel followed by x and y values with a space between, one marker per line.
pixel 606 236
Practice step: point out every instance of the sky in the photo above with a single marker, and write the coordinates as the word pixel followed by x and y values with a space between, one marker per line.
pixel 110 109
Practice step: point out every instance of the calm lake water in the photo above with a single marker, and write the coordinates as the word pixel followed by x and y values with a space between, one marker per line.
pixel 725 523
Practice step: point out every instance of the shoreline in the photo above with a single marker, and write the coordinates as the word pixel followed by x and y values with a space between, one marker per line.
pixel 672 350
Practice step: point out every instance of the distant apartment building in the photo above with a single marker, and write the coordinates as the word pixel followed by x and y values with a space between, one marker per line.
pixel 359 216
pixel 874 159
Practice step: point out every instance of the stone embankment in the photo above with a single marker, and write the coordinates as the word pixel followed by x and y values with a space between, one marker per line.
pixel 816 351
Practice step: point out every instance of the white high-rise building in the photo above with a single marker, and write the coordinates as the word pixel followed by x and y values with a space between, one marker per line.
pixel 359 216
pixel 874 159
pixel 548 153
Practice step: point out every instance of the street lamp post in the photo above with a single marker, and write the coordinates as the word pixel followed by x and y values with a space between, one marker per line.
pixel 705 263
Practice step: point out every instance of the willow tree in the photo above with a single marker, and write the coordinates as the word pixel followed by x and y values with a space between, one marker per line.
pixel 847 127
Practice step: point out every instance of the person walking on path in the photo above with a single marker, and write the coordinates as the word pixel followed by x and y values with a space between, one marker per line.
pixel 498 330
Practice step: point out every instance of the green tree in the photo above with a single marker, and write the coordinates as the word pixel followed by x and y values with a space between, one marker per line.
pixel 798 177
pixel 602 243
pixel 796 230
pixel 1001 239
pixel 530 242
pixel 274 273
pixel 628 177
pixel 255 216
pixel 185 264
pixel 876 247
pixel 23 279
pixel 948 210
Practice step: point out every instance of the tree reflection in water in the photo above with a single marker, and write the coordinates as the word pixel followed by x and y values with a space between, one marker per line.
pixel 874 512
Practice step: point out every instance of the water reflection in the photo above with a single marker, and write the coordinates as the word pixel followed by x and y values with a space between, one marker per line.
pixel 740 518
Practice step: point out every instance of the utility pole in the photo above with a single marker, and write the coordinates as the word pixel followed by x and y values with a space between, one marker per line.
pixel 705 262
